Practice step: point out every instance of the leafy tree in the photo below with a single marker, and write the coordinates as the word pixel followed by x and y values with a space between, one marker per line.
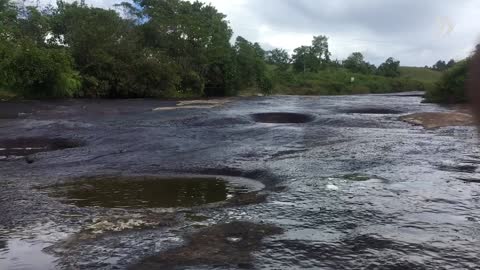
pixel 195 36
pixel 107 54
pixel 259 51
pixel 302 59
pixel 390 68
pixel 30 66
pixel 34 25
pixel 451 63
pixel 96 40
pixel 320 50
pixel 251 67
pixel 42 72
pixel 312 58
pixel 8 20
pixel 279 58
pixel 440 66
pixel 246 62
pixel 356 63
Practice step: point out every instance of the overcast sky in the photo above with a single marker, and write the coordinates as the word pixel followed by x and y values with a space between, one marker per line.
pixel 417 32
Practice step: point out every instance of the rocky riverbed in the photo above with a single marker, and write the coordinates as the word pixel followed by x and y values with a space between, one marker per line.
pixel 282 182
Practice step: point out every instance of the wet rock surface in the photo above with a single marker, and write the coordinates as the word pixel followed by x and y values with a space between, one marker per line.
pixel 432 120
pixel 349 190
pixel 224 245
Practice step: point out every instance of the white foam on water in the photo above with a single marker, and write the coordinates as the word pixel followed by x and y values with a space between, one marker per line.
pixel 332 187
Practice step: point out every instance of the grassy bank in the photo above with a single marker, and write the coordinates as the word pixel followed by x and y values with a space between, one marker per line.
pixel 420 74
pixel 427 77
pixel 340 82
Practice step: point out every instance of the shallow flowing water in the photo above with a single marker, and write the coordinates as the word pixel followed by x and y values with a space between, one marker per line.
pixel 352 186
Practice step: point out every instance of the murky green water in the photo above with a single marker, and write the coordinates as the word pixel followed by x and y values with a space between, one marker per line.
pixel 146 192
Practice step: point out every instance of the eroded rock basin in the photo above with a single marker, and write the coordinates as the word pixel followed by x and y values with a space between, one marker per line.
pixel 152 191
pixel 11 149
pixel 344 191
pixel 282 118
pixel 372 110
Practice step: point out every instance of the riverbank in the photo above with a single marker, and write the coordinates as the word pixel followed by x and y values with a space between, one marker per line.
pixel 324 83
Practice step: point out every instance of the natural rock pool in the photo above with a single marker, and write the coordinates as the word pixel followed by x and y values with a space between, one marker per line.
pixel 151 192
pixel 23 147
pixel 344 183
pixel 282 118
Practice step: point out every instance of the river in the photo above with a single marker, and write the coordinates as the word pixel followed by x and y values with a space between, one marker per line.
pixel 350 185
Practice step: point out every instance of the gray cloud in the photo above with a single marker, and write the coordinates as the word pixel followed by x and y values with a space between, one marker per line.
pixel 379 16
pixel 414 31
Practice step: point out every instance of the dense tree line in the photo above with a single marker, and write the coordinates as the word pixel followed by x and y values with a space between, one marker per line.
pixel 151 48
pixel 441 65
pixel 166 48
pixel 316 57
pixel 310 70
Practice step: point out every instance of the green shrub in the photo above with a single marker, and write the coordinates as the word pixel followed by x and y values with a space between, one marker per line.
pixel 33 71
pixel 265 84
pixel 451 87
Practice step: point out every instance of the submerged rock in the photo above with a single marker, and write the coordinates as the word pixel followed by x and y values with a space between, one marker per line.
pixel 196 104
pixel 104 226
pixel 229 244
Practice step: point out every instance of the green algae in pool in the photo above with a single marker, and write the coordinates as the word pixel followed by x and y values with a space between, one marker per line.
pixel 147 192
pixel 356 177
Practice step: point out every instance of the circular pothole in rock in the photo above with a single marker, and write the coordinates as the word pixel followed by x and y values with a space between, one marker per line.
pixel 461 168
pixel 282 118
pixel 138 192
pixel 372 111
pixel 11 149
pixel 356 177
